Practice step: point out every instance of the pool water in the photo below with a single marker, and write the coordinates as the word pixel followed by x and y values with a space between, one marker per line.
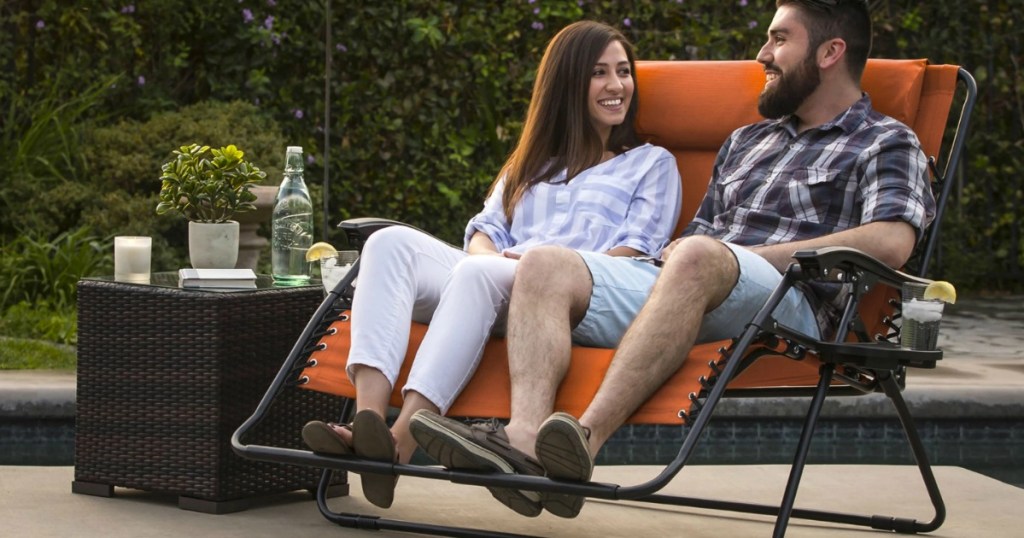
pixel 994 448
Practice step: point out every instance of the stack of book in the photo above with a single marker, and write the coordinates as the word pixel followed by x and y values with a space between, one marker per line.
pixel 217 279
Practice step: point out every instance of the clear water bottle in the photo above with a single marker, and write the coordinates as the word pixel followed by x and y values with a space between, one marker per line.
pixel 292 223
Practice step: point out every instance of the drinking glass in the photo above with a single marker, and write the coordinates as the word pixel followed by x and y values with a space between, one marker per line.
pixel 921 318
pixel 334 268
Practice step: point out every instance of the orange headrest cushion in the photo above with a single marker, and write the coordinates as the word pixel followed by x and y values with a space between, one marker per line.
pixel 695 105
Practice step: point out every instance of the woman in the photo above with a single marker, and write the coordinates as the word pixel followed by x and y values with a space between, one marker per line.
pixel 578 177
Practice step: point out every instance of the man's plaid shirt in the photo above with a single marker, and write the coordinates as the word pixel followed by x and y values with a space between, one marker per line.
pixel 771 185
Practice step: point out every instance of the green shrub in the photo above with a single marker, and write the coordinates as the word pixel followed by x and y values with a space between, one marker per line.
pixel 38 283
pixel 39 154
pixel 127 155
pixel 40 322
pixel 41 272
pixel 426 96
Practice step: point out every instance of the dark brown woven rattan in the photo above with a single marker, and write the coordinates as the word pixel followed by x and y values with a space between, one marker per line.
pixel 166 375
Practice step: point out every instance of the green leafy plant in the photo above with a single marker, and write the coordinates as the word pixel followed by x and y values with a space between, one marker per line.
pixel 38 283
pixel 40 139
pixel 38 271
pixel 208 190
pixel 40 322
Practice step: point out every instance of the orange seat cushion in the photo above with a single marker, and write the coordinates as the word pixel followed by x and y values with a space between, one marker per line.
pixel 487 394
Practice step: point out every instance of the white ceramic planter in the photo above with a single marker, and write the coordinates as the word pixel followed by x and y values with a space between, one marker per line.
pixel 213 246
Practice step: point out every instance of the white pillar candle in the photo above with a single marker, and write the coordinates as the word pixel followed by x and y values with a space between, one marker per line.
pixel 132 258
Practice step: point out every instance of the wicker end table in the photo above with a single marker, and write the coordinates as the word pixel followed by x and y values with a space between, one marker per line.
pixel 166 375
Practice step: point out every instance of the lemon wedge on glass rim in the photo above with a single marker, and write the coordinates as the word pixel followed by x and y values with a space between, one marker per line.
pixel 320 250
pixel 940 290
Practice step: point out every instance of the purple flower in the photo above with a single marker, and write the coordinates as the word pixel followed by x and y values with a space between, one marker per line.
pixel 743 3
pixel 40 24
pixel 247 15
pixel 141 81
pixel 531 1
pixel 341 48
pixel 627 23
pixel 752 25
pixel 130 8
pixel 310 159
pixel 271 3
pixel 276 38
pixel 268 23
pixel 537 25
pixel 536 11
pixel 579 3
pixel 297 113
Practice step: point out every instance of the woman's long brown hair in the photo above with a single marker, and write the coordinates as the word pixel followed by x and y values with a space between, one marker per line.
pixel 558 133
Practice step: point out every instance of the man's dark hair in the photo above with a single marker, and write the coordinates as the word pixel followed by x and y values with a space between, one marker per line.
pixel 848 20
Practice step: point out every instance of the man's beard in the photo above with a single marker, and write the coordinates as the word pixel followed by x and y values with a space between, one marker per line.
pixel 790 90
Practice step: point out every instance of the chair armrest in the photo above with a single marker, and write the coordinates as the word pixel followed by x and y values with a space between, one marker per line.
pixel 824 263
pixel 359 230
pixel 849 265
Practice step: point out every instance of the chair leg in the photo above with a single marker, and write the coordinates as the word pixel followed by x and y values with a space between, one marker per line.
pixel 892 390
pixel 800 459
pixel 376 523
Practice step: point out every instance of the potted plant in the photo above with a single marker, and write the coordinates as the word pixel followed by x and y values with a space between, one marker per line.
pixel 208 187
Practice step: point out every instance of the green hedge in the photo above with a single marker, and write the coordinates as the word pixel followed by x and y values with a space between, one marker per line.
pixel 427 96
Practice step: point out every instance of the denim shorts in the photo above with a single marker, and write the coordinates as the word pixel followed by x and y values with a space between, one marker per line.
pixel 621 286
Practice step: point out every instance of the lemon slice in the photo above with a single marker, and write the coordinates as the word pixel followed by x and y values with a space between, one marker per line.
pixel 940 290
pixel 320 250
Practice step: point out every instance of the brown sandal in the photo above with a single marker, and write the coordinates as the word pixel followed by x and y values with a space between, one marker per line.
pixel 372 440
pixel 323 439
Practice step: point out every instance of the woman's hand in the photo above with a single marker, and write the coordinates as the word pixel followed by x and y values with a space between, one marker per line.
pixel 667 251
pixel 624 251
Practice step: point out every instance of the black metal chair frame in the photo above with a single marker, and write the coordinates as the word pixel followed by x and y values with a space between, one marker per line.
pixel 875 363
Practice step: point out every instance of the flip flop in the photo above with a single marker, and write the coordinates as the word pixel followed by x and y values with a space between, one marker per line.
pixel 372 440
pixel 322 438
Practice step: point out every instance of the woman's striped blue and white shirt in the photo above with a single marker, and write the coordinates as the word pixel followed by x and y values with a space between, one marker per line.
pixel 631 200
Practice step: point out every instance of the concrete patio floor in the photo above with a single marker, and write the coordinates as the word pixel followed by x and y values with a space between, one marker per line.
pixel 37 501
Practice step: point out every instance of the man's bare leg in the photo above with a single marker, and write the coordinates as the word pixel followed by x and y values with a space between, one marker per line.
pixel 550 296
pixel 697 276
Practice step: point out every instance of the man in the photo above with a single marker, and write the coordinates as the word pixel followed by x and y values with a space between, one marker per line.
pixel 824 170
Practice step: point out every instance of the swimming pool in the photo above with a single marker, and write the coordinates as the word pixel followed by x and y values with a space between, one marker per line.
pixel 992 447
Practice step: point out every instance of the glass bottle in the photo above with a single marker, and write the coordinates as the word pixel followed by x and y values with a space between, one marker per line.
pixel 291 224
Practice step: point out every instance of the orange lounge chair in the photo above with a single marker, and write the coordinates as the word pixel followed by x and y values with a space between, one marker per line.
pixel 690 108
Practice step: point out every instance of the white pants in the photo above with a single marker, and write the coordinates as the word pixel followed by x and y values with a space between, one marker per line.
pixel 406 275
